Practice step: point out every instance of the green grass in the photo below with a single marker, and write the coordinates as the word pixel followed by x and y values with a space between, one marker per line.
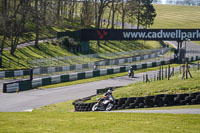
pixel 121 46
pixel 58 107
pixel 98 123
pixel 23 56
pixel 174 16
pixel 173 86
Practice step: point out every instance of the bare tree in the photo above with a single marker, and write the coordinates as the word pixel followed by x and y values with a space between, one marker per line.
pixel 124 10
pixel 101 6
pixel 14 22
pixel 114 7
pixel 87 12
pixel 58 9
pixel 36 24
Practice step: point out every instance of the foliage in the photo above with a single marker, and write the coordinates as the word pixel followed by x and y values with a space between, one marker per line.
pixel 148 15
pixel 67 41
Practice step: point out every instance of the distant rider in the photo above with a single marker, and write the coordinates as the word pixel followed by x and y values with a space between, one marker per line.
pixel 131 72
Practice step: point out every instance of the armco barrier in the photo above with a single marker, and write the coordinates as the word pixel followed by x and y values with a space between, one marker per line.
pixel 46 70
pixel 8 87
pixel 161 100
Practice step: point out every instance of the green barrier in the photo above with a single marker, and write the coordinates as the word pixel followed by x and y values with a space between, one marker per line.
pixel 46 81
pixel 26 72
pixel 154 64
pixel 134 67
pixel 81 75
pixel 171 61
pixel 122 69
pixel 64 78
pixel 163 63
pixel 110 71
pixel 25 85
pixel 9 74
pixel 144 65
pixel 192 58
pixel 96 73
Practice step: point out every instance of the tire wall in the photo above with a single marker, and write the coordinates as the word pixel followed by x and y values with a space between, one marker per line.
pixel 161 100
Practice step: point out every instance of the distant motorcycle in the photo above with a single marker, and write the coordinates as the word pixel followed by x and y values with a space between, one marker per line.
pixel 103 104
pixel 130 74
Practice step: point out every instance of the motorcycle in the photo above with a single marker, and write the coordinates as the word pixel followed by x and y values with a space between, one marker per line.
pixel 103 104
pixel 130 74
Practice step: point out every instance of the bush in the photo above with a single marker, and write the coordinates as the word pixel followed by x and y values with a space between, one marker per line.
pixel 67 42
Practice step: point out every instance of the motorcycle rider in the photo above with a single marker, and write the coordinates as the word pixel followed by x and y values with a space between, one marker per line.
pixel 131 72
pixel 108 96
pixel 105 103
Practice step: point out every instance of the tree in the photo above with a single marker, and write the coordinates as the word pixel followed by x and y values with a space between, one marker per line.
pixel 145 13
pixel 14 22
pixel 149 14
pixel 124 9
pixel 36 24
pixel 87 12
pixel 132 11
pixel 114 8
pixel 101 6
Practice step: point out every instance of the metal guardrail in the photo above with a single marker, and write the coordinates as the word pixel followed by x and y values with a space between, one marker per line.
pixel 71 60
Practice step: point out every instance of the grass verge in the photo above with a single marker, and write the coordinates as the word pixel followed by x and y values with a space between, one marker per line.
pixel 98 122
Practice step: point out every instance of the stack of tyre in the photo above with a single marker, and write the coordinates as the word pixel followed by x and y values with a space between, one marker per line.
pixel 161 100
pixel 83 107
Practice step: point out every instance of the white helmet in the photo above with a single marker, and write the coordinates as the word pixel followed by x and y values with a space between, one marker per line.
pixel 109 91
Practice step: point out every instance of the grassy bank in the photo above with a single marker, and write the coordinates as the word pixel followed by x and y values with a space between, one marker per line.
pixel 23 56
pixel 98 123
pixel 173 86
pixel 173 16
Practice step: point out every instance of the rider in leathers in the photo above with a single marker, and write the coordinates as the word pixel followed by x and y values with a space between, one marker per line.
pixel 108 96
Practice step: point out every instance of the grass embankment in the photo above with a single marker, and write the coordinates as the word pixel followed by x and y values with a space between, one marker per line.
pixel 173 86
pixel 23 56
pixel 98 123
pixel 177 17
pixel 174 16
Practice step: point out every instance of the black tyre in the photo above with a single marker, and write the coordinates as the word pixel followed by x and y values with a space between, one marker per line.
pixel 141 105
pixel 132 105
pixel 189 98
pixel 198 97
pixel 183 102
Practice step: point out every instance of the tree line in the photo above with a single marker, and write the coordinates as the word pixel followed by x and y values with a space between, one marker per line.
pixel 16 14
